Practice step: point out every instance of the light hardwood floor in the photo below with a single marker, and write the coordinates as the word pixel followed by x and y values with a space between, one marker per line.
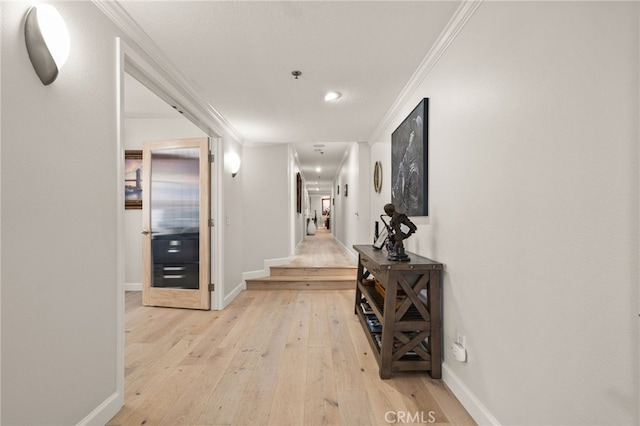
pixel 272 357
pixel 321 250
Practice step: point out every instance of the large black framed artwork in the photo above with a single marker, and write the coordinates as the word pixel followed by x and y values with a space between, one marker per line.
pixel 409 163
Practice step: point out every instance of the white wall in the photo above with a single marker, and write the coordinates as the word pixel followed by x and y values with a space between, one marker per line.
pixel 298 220
pixel 352 218
pixel 534 209
pixel 381 152
pixel 60 321
pixel 59 234
pixel 361 189
pixel 266 205
pixel 235 217
pixel 345 220
pixel 136 132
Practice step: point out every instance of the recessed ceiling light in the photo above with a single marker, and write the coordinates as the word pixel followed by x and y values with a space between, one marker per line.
pixel 319 145
pixel 332 96
pixel 318 169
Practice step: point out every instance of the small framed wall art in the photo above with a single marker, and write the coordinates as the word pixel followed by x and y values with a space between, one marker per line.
pixel 298 193
pixel 326 205
pixel 133 179
pixel 377 177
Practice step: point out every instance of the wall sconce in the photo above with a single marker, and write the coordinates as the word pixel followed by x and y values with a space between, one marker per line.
pixel 48 42
pixel 233 163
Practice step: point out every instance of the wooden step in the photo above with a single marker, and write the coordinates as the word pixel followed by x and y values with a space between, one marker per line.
pixel 300 271
pixel 301 282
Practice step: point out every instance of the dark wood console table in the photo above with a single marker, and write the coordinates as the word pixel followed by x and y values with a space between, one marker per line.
pixel 399 307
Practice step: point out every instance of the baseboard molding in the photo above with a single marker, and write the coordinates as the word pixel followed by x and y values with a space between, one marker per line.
pixel 268 263
pixel 277 262
pixel 105 411
pixel 234 293
pixel 255 274
pixel 132 286
pixel 469 401
pixel 351 253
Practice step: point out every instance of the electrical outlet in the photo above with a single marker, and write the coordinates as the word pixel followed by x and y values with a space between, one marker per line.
pixel 458 348
pixel 459 352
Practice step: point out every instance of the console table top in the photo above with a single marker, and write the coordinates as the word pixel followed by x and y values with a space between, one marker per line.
pixel 380 257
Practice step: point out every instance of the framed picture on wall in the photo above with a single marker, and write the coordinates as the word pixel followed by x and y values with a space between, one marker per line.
pixel 377 177
pixel 409 163
pixel 133 179
pixel 298 193
pixel 326 206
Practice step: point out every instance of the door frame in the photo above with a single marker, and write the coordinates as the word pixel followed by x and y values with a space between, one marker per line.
pixel 139 63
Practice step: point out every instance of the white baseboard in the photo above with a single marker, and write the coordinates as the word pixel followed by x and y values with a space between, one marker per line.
pixel 469 401
pixel 268 263
pixel 234 293
pixel 254 274
pixel 277 262
pixel 133 287
pixel 351 253
pixel 105 411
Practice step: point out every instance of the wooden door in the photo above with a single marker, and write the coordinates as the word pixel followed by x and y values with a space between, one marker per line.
pixel 176 233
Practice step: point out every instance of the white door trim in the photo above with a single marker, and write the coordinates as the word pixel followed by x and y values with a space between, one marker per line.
pixel 128 60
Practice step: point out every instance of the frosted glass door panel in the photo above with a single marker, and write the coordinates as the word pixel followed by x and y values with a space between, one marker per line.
pixel 175 217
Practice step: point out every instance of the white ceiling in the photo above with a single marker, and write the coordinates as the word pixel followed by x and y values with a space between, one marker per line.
pixel 239 55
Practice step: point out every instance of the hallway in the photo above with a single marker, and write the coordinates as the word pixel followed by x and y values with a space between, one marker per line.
pixel 272 357
pixel 322 250
pixel 320 263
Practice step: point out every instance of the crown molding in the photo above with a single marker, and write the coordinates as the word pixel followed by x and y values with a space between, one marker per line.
pixel 166 76
pixel 450 32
